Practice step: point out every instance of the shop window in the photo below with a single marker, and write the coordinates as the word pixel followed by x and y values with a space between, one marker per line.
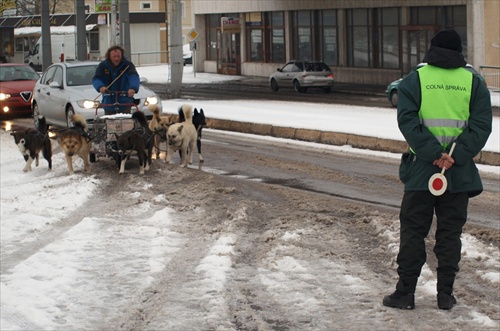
pixel 267 37
pixel 315 36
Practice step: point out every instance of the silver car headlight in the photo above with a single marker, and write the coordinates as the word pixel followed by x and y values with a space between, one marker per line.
pixel 151 100
pixel 88 104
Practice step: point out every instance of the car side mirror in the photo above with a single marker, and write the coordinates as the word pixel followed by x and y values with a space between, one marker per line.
pixel 54 85
pixel 143 80
pixel 279 69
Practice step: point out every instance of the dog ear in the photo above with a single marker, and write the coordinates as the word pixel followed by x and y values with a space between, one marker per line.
pixel 179 129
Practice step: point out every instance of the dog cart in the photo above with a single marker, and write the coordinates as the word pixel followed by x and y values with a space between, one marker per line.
pixel 107 127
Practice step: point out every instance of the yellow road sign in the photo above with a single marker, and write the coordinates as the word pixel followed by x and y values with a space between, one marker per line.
pixel 193 34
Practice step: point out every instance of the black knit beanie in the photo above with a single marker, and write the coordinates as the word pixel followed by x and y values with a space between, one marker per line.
pixel 447 39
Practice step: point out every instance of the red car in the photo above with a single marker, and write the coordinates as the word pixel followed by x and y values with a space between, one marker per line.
pixel 16 89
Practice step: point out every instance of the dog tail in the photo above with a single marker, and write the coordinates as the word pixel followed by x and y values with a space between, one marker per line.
pixel 141 118
pixel 186 113
pixel 155 110
pixel 79 122
pixel 42 124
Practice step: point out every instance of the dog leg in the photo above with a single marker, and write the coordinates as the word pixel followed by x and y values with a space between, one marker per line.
pixel 184 157
pixel 86 162
pixel 168 156
pixel 69 160
pixel 47 152
pixel 157 141
pixel 122 165
pixel 37 160
pixel 27 166
pixel 142 163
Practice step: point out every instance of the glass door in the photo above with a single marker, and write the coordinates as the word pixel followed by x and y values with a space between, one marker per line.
pixel 228 53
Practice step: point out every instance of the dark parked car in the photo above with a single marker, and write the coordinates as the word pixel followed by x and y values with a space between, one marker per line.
pixel 302 75
pixel 392 89
pixel 16 88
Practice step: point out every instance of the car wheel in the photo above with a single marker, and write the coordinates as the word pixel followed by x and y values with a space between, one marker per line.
pixel 69 114
pixel 297 87
pixel 327 89
pixel 36 117
pixel 394 98
pixel 274 85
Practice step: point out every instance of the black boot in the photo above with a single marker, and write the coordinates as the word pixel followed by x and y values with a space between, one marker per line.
pixel 446 301
pixel 400 299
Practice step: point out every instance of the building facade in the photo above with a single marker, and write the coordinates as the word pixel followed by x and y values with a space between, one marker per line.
pixel 363 41
pixel 372 41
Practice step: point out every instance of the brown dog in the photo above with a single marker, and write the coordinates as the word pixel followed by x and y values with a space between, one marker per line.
pixel 75 141
pixel 30 143
pixel 159 125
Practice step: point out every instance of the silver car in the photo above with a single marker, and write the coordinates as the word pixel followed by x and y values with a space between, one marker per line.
pixel 66 89
pixel 302 75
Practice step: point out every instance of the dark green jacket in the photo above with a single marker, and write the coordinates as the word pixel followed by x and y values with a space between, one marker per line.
pixel 416 169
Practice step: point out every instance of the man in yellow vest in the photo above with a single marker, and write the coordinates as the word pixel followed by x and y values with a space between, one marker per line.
pixel 439 104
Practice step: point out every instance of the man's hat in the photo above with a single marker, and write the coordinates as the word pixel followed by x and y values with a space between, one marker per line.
pixel 447 39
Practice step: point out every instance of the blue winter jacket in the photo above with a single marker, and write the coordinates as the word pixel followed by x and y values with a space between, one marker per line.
pixel 105 74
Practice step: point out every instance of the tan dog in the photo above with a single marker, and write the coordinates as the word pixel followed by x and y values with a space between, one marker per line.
pixel 182 137
pixel 75 141
pixel 159 125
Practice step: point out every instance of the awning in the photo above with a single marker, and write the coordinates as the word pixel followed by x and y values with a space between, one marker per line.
pixel 30 30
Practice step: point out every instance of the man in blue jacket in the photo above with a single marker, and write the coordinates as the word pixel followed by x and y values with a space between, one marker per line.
pixel 439 104
pixel 116 74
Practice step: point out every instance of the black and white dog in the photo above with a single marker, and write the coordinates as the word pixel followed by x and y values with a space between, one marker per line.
pixel 138 141
pixel 199 121
pixel 31 142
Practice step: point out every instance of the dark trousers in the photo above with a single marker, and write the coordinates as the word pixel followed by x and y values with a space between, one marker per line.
pixel 417 211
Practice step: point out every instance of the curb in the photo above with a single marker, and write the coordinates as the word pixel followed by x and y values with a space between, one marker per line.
pixel 331 138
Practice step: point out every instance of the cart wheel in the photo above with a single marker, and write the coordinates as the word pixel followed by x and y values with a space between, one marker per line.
pixel 92 157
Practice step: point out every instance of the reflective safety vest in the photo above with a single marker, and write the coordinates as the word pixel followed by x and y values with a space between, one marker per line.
pixel 444 108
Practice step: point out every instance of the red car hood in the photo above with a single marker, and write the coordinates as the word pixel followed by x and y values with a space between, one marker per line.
pixel 17 86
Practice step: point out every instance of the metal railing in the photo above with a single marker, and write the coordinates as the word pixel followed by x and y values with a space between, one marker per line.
pixel 491 77
pixel 149 58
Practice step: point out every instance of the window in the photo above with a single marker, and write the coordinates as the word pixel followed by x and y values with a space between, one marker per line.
pixel 146 5
pixel 212 24
pixel 373 38
pixel 443 17
pixel 315 36
pixel 387 38
pixel 358 38
pixel 94 41
pixel 267 37
pixel 302 46
pixel 329 40
pixel 276 37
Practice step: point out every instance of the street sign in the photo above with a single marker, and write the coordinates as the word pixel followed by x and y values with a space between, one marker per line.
pixel 193 34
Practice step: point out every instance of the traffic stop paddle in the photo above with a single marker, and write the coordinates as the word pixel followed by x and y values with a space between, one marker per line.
pixel 438 182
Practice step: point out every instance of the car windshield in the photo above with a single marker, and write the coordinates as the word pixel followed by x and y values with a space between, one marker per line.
pixel 317 66
pixel 10 73
pixel 81 75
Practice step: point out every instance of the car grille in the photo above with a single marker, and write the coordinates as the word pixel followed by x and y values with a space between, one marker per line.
pixel 26 95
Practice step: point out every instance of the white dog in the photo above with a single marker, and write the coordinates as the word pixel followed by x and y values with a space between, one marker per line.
pixel 182 136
